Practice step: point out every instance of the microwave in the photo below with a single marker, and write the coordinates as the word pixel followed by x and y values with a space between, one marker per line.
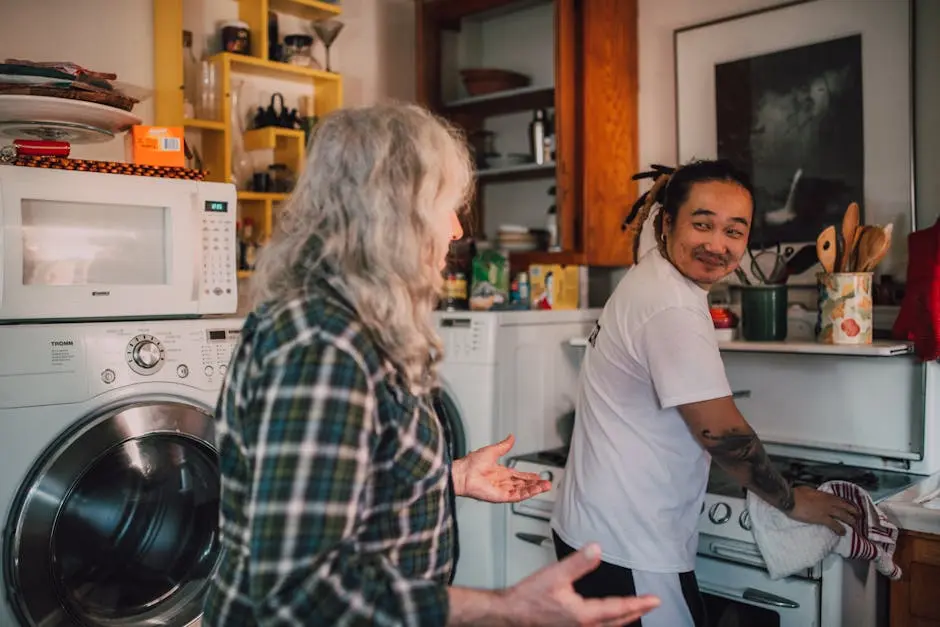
pixel 90 245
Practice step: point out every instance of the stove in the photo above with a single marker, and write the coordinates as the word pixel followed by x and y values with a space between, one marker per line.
pixel 880 484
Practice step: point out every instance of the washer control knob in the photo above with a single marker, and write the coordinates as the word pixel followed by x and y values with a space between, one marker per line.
pixel 146 354
pixel 108 376
pixel 182 371
pixel 719 513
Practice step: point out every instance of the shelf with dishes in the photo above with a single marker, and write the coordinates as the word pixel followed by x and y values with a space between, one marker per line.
pixel 503 102
pixel 518 171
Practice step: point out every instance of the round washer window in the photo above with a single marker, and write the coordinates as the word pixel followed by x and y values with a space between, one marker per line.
pixel 137 526
pixel 449 416
pixel 118 522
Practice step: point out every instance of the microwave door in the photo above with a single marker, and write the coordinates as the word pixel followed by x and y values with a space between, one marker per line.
pixel 82 245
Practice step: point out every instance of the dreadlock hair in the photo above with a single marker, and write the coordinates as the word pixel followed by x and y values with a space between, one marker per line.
pixel 671 190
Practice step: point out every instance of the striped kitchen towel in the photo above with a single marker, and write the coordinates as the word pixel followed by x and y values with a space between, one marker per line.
pixel 789 546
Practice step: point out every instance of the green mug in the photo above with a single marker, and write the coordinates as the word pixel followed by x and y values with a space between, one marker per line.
pixel 764 313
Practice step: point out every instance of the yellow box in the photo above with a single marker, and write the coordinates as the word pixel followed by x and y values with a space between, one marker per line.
pixel 155 145
pixel 554 286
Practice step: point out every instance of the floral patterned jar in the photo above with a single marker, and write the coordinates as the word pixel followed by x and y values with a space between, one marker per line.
pixel 845 308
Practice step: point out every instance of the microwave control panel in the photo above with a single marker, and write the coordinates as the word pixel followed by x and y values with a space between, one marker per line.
pixel 218 254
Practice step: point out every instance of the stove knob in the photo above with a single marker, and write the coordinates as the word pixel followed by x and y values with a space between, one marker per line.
pixel 719 513
pixel 745 520
pixel 545 475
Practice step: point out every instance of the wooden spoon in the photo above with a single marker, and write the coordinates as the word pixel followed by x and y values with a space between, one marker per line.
pixel 849 227
pixel 853 261
pixel 873 246
pixel 826 248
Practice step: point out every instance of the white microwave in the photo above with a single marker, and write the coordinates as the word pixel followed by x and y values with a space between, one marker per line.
pixel 88 245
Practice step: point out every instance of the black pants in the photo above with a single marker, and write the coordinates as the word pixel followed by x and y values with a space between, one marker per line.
pixel 609 580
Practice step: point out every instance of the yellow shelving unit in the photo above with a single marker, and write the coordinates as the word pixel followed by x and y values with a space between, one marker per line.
pixel 287 144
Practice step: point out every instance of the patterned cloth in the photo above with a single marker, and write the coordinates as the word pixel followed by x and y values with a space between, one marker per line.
pixel 789 546
pixel 337 497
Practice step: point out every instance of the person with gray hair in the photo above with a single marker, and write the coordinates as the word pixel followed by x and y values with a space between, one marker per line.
pixel 338 485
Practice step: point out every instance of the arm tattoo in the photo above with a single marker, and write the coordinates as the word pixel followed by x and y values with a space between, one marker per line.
pixel 744 453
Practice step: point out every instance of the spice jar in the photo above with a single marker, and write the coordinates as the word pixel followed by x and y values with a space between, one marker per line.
pixel 236 37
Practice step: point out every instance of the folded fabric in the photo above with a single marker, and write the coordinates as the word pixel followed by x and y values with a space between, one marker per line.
pixel 789 546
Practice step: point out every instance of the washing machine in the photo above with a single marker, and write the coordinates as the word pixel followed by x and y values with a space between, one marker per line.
pixel 505 372
pixel 109 482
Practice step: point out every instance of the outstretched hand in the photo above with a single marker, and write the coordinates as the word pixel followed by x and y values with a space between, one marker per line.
pixel 479 476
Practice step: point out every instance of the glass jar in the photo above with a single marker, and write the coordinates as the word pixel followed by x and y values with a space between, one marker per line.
pixel 281 179
pixel 298 50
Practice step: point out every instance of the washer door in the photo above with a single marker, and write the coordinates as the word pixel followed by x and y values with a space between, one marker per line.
pixel 118 523
pixel 449 415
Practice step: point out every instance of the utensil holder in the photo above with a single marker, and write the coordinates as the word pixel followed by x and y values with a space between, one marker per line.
pixel 845 308
pixel 764 313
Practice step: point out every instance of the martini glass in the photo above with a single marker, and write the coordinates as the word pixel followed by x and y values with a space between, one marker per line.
pixel 327 31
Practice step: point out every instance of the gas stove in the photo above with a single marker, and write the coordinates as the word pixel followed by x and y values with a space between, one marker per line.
pixel 724 513
pixel 880 484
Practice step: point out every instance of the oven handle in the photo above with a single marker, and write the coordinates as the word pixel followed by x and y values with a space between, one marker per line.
pixel 538 540
pixel 734 553
pixel 751 594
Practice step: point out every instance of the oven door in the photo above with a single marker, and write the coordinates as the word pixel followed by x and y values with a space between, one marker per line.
pixel 739 596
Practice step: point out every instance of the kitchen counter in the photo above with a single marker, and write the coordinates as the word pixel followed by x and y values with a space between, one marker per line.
pixel 909 515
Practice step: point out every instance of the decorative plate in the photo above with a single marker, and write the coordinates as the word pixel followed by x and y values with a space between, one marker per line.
pixel 22 108
pixel 54 131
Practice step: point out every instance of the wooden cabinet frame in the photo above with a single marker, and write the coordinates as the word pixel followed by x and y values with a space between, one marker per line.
pixel 595 100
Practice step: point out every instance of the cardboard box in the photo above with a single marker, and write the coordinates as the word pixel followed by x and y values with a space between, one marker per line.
pixel 554 286
pixel 155 145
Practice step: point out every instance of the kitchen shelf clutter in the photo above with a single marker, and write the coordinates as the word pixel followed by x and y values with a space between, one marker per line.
pixel 223 142
pixel 486 69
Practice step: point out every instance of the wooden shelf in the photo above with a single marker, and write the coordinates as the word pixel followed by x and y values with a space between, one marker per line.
pixel 262 196
pixel 449 12
pixel 208 125
pixel 243 274
pixel 267 138
pixel 525 172
pixel 875 349
pixel 274 69
pixel 501 103
pixel 565 258
pixel 310 10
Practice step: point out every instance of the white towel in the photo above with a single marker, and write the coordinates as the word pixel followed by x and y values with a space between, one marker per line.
pixel 789 546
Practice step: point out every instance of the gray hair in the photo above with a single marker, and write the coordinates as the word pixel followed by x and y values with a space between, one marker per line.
pixel 370 200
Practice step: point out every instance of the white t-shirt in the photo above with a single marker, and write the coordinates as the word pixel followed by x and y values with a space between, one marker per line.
pixel 635 479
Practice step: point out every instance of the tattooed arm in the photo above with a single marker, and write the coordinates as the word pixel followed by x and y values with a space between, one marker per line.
pixel 722 430
pixel 725 434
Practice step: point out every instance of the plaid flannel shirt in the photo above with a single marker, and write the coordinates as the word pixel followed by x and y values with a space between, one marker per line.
pixel 337 500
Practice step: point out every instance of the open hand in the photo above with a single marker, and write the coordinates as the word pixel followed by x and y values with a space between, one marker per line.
pixel 479 476
pixel 821 508
pixel 547 597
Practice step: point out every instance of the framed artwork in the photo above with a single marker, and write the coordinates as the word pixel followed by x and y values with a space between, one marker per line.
pixel 813 100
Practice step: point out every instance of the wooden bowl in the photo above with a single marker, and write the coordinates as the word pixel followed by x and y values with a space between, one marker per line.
pixel 482 81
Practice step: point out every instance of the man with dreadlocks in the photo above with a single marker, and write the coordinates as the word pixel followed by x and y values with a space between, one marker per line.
pixel 654 406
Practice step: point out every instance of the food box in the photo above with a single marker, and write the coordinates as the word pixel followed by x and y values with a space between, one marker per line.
pixel 554 286
pixel 155 145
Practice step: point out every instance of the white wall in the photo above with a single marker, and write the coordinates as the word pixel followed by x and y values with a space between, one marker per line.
pixel 375 51
pixel 657 98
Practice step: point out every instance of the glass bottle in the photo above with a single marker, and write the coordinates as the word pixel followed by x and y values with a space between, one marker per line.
pixel 190 76
pixel 207 106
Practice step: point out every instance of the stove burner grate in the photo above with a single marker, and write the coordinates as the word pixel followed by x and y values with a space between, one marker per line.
pixel 814 475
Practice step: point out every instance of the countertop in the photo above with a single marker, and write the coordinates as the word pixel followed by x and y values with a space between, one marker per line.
pixel 903 510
